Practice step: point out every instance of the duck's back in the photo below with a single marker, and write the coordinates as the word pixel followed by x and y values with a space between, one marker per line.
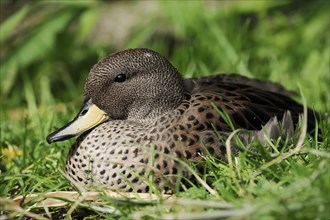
pixel 249 103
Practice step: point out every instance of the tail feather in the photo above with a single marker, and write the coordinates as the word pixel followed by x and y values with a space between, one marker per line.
pixel 272 130
pixel 275 129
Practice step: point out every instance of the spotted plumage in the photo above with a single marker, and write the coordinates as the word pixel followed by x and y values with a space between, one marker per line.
pixel 152 116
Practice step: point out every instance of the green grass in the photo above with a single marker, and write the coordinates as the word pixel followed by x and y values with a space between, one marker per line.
pixel 45 61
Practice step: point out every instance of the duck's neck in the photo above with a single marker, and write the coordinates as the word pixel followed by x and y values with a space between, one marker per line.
pixel 154 108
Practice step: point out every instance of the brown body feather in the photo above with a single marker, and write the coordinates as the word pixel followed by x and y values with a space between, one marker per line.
pixel 156 116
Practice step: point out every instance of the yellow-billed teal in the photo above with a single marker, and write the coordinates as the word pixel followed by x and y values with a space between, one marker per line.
pixel 135 101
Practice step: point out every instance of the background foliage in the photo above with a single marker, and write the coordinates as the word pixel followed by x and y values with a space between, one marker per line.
pixel 48 47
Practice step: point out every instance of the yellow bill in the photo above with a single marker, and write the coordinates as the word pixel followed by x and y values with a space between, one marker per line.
pixel 89 116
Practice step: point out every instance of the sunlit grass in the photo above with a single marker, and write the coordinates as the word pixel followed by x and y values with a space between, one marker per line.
pixel 285 42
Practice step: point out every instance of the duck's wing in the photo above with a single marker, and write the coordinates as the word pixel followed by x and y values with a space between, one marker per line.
pixel 193 84
pixel 248 107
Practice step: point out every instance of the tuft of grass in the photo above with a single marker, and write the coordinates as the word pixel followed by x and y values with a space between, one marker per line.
pixel 47 50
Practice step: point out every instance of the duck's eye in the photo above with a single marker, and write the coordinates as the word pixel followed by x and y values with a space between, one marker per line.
pixel 120 78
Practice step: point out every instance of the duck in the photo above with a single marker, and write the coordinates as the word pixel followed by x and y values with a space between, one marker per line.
pixel 140 118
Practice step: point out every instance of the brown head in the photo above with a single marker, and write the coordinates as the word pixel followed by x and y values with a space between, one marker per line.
pixel 134 84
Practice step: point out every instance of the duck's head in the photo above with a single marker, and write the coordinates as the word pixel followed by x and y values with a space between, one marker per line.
pixel 134 84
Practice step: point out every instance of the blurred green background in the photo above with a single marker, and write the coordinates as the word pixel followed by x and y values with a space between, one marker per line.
pixel 48 47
